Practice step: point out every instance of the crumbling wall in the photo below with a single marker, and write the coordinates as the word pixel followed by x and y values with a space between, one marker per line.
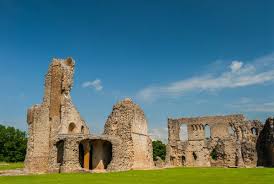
pixel 265 144
pixel 232 142
pixel 56 115
pixel 127 121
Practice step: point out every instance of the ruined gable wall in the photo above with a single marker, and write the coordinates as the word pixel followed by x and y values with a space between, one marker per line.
pixel 127 121
pixel 142 144
pixel 119 124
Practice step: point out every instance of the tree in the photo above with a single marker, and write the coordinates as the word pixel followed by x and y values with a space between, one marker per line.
pixel 13 144
pixel 159 150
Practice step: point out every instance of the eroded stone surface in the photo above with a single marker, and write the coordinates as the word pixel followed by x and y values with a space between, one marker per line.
pixel 60 141
pixel 231 142
pixel 127 121
pixel 265 145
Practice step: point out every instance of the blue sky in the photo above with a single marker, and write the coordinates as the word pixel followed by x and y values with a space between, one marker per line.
pixel 174 58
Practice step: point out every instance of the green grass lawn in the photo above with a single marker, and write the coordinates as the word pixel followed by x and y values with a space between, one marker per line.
pixel 9 166
pixel 177 175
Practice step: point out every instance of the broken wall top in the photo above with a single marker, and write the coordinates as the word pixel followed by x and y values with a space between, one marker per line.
pixel 209 119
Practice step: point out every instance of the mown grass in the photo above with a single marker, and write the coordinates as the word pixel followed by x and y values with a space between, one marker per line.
pixel 165 176
pixel 10 166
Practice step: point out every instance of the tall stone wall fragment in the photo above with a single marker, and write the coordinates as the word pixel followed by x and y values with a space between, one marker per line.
pixel 265 144
pixel 52 117
pixel 127 121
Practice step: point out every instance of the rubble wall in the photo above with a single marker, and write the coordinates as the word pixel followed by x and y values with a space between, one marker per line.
pixel 127 121
pixel 52 117
pixel 232 142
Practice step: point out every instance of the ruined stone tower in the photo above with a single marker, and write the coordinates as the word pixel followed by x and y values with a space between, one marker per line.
pixel 56 115
pixel 127 121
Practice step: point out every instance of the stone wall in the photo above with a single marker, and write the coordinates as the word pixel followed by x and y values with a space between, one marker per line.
pixel 127 121
pixel 265 145
pixel 60 141
pixel 231 142
pixel 53 117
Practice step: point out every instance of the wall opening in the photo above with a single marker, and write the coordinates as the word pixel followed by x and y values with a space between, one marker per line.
pixel 71 128
pixel 183 160
pixel 207 131
pixel 194 156
pixel 214 154
pixel 81 155
pixel 183 132
pixel 95 154
pixel 107 147
pixel 82 129
pixel 60 152
pixel 254 131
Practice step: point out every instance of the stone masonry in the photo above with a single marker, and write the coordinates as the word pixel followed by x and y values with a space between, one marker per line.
pixel 265 144
pixel 219 141
pixel 127 121
pixel 60 141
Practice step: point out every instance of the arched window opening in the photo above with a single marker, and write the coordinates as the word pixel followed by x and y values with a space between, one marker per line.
pixel 207 131
pixel 71 128
pixel 82 129
pixel 60 152
pixel 254 131
pixel 183 133
pixel 194 156
pixel 183 160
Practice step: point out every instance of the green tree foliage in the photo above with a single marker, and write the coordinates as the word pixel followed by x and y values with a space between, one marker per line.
pixel 13 144
pixel 159 150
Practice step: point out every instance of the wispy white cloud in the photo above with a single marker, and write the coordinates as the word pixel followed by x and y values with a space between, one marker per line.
pixel 237 75
pixel 96 84
pixel 159 134
pixel 236 66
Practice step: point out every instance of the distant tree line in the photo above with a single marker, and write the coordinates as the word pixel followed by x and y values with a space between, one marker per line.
pixel 159 150
pixel 13 144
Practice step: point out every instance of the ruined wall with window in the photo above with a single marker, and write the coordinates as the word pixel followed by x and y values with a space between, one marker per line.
pixel 56 115
pixel 221 141
pixel 60 141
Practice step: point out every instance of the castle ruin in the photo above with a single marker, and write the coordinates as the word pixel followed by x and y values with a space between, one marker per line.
pixel 60 140
pixel 219 141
